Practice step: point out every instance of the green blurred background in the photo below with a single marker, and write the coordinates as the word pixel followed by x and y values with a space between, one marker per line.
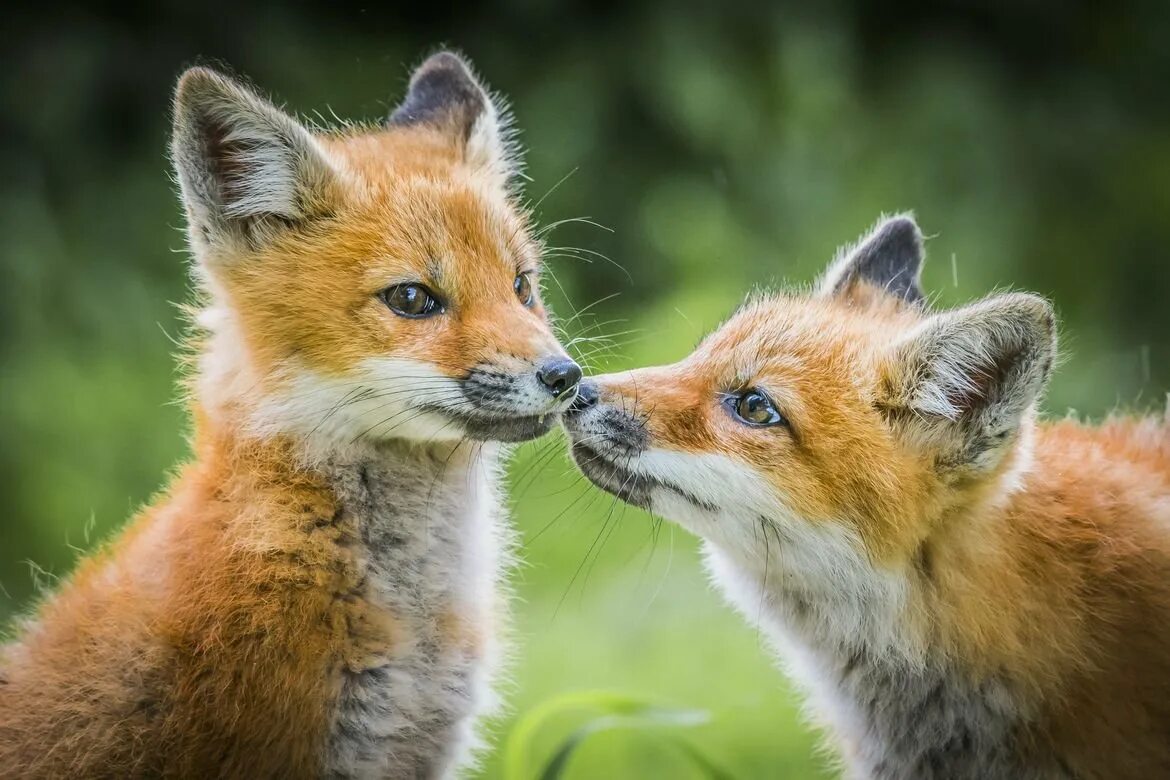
pixel 721 146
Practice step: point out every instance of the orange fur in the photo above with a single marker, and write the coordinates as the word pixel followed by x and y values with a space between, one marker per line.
pixel 212 638
pixel 1049 572
pixel 413 213
pixel 230 594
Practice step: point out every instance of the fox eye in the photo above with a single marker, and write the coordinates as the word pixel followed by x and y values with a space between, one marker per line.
pixel 752 407
pixel 411 300
pixel 522 285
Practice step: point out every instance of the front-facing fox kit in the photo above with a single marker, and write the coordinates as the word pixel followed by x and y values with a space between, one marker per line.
pixel 319 592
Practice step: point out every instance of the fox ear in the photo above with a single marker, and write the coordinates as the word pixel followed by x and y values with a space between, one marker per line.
pixel 962 383
pixel 886 260
pixel 246 169
pixel 445 95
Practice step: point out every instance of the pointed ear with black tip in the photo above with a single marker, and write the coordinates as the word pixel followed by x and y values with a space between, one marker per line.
pixel 246 169
pixel 963 382
pixel 886 261
pixel 444 95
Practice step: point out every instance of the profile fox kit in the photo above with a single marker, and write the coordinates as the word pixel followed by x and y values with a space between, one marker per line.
pixel 963 591
pixel 319 592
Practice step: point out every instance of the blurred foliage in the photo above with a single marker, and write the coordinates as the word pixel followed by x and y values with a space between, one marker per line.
pixel 723 145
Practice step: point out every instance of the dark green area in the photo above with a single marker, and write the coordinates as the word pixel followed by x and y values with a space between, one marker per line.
pixel 725 146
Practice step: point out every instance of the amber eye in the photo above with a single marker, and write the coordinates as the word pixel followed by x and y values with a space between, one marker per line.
pixel 411 300
pixel 754 408
pixel 522 284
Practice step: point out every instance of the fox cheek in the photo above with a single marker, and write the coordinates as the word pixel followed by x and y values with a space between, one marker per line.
pixel 687 429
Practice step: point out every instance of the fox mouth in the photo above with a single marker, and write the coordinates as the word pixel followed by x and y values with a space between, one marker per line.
pixel 627 485
pixel 503 407
pixel 494 426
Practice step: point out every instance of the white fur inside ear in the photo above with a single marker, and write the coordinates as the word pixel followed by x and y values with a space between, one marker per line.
pixel 951 365
pixel 484 147
pixel 238 157
pixel 490 147
pixel 969 378
pixel 279 167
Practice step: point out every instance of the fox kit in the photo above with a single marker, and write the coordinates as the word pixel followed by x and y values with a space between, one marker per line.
pixel 963 591
pixel 319 591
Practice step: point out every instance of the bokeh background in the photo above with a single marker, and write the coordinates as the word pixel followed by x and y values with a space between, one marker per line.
pixel 718 146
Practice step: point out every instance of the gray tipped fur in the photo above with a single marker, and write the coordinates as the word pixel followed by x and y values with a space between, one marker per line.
pixel 431 535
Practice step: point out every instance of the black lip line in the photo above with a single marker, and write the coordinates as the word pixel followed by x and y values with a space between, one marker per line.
pixel 530 425
pixel 645 482
pixel 603 472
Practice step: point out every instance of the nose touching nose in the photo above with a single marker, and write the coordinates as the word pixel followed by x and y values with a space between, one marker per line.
pixel 587 396
pixel 560 376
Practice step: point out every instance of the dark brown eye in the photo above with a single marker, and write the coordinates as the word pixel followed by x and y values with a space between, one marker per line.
pixel 411 300
pixel 754 408
pixel 522 284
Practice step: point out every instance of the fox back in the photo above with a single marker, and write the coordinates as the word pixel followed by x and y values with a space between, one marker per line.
pixel 321 590
pixel 962 590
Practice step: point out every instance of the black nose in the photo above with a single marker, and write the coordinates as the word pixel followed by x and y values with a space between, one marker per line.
pixel 559 376
pixel 586 398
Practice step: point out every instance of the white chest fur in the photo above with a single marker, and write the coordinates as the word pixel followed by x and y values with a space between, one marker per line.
pixel 899 709
pixel 432 545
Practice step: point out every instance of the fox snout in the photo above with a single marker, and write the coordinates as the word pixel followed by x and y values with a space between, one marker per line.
pixel 560 376
pixel 608 438
pixel 609 427
pixel 545 388
pixel 508 402
pixel 587 396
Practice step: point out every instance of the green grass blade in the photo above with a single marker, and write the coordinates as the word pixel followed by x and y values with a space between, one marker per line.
pixel 618 711
pixel 520 741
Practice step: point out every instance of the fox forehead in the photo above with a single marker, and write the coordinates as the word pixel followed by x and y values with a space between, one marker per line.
pixel 809 354
pixel 406 219
pixel 798 341
pixel 452 235
pixel 385 153
pixel 428 208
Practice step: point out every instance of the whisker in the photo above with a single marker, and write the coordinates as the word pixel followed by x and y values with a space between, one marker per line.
pixel 545 229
